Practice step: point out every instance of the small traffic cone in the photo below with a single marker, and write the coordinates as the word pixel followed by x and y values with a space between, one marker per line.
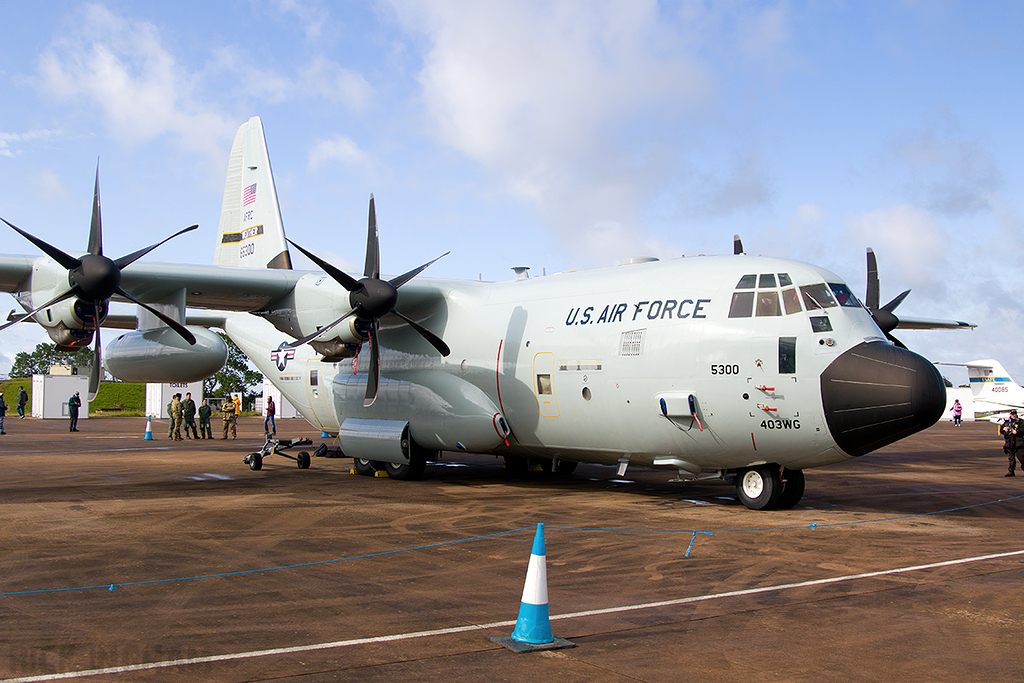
pixel 324 435
pixel 533 627
pixel 149 429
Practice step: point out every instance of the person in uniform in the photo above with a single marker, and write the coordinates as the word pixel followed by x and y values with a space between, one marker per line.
pixel 74 403
pixel 205 412
pixel 188 412
pixel 228 412
pixel 1012 431
pixel 177 414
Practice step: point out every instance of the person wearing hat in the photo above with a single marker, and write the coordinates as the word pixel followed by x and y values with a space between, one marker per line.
pixel 1012 430
pixel 74 403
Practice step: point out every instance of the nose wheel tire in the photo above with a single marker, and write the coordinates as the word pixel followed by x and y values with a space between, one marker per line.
pixel 759 488
pixel 793 491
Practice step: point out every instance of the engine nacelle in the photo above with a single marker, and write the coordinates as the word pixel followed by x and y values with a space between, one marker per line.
pixel 161 355
pixel 70 323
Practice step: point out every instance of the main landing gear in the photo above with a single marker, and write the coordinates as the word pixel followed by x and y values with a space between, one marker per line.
pixel 278 446
pixel 411 471
pixel 769 487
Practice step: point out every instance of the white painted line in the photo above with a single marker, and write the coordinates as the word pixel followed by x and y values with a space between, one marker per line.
pixel 497 624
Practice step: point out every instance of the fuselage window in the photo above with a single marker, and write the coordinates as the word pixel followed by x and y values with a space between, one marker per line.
pixel 787 355
pixel 844 296
pixel 784 280
pixel 791 301
pixel 821 324
pixel 766 280
pixel 817 297
pixel 313 377
pixel 544 385
pixel 768 303
pixel 742 304
pixel 747 282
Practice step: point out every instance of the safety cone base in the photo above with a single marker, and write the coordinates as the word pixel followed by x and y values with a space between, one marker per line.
pixel 517 646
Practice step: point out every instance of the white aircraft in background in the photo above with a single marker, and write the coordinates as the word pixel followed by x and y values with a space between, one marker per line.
pixel 993 391
pixel 745 368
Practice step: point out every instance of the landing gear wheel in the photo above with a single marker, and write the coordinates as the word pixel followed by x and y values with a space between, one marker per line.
pixel 759 488
pixel 255 461
pixel 793 490
pixel 411 472
pixel 302 460
pixel 367 468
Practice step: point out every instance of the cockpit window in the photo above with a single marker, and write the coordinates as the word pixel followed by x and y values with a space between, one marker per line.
pixel 791 300
pixel 766 280
pixel 768 303
pixel 784 280
pixel 742 304
pixel 746 282
pixel 817 297
pixel 844 296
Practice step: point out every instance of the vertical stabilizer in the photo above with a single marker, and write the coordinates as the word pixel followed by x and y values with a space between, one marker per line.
pixel 990 380
pixel 251 233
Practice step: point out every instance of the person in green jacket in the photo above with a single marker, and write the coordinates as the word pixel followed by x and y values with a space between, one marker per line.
pixel 205 412
pixel 74 403
pixel 188 411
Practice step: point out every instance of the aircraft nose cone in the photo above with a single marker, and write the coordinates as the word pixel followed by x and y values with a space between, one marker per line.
pixel 877 393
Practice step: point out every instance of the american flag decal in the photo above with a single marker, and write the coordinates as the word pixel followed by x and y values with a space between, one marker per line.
pixel 249 195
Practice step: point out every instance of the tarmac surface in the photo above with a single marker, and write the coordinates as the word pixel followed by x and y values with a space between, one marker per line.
pixel 131 560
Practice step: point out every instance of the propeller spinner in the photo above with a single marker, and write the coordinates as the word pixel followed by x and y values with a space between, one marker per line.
pixel 94 279
pixel 371 298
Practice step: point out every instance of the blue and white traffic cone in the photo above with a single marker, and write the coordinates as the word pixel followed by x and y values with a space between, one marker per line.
pixel 149 429
pixel 533 627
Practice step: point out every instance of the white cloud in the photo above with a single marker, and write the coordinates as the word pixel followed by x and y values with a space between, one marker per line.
pixel 913 245
pixel 121 65
pixel 338 148
pixel 9 139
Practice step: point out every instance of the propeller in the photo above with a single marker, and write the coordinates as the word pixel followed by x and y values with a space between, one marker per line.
pixel 94 279
pixel 371 298
pixel 883 315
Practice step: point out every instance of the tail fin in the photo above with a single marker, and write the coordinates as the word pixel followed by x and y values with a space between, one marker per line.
pixel 988 378
pixel 251 233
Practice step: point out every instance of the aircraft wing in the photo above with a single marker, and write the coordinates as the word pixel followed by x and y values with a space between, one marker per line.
pixel 907 323
pixel 229 289
pixel 217 287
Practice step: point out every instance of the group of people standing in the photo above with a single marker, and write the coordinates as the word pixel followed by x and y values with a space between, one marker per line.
pixel 184 411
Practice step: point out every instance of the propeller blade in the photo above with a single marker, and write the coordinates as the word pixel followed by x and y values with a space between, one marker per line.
pixel 402 279
pixel 891 306
pixel 434 340
pixel 373 372
pixel 69 262
pixel 372 267
pixel 170 322
pixel 871 298
pixel 55 300
pixel 310 337
pixel 343 279
pixel 136 255
pixel 96 372
pixel 96 226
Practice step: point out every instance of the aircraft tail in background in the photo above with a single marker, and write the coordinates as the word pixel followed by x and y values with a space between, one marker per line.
pixel 251 233
pixel 994 392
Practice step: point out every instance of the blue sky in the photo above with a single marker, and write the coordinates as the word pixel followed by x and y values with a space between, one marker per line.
pixel 558 135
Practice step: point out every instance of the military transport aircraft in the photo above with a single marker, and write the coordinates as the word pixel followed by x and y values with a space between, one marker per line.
pixel 740 367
